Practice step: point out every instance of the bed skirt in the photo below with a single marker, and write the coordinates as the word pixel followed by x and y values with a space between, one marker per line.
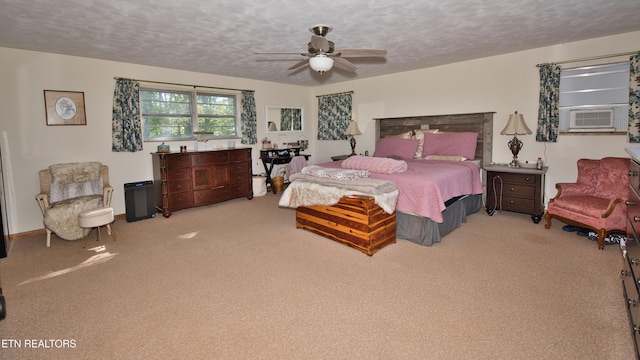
pixel 426 232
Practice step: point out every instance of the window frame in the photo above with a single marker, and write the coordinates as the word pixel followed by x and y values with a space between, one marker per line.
pixel 587 71
pixel 193 113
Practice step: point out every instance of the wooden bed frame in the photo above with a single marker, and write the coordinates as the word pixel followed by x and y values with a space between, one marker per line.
pixel 482 123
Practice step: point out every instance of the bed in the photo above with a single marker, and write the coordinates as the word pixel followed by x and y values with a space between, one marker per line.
pixel 425 213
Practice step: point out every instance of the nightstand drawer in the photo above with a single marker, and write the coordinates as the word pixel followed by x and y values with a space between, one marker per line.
pixel 518 178
pixel 519 190
pixel 518 204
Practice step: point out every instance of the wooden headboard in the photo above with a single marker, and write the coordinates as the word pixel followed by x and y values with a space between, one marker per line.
pixel 482 123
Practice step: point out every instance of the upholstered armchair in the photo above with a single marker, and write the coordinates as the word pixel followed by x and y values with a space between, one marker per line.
pixel 596 200
pixel 68 189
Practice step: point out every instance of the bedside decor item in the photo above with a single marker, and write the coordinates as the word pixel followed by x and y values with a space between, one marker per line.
pixel 163 148
pixel 353 130
pixel 515 126
pixel 64 107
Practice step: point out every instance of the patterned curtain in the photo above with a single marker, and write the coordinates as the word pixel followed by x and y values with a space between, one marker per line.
pixel 548 117
pixel 634 99
pixel 248 119
pixel 125 122
pixel 334 115
pixel 290 119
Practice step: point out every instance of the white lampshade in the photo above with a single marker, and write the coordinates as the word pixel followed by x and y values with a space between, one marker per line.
pixel 353 129
pixel 272 126
pixel 321 63
pixel 515 126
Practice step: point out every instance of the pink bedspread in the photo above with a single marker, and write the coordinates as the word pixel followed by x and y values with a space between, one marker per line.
pixel 427 184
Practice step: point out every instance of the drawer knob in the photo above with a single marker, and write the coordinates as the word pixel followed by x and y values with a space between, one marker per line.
pixel 629 202
pixel 634 261
pixel 636 218
pixel 625 273
pixel 512 189
pixel 527 178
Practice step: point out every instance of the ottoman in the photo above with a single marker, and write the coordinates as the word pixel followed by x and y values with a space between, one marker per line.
pixel 95 218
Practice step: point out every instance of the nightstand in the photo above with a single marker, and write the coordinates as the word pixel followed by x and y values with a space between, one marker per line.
pixel 516 189
pixel 339 157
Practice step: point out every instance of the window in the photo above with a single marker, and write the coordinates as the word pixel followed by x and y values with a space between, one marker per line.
pixel 176 115
pixel 594 98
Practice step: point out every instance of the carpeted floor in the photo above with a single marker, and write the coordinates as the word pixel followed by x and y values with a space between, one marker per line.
pixel 238 281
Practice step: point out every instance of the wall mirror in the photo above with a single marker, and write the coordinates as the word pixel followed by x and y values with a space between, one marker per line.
pixel 281 118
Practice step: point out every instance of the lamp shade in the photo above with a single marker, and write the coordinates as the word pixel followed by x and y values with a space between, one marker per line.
pixel 353 129
pixel 515 126
pixel 272 126
pixel 321 63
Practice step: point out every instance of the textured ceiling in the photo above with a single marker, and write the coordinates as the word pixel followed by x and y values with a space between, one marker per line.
pixel 222 37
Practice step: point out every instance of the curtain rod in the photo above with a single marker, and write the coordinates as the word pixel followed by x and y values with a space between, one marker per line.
pixel 177 84
pixel 591 58
pixel 344 92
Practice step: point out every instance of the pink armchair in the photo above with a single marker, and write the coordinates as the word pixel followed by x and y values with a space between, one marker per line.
pixel 596 200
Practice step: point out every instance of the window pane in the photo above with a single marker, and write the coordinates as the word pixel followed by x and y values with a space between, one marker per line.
pixel 215 105
pixel 219 126
pixel 166 127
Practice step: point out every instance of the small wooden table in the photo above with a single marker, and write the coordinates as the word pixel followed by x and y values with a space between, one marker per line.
pixel 271 157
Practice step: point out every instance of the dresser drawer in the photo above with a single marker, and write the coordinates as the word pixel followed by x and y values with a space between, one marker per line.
pixel 178 161
pixel 240 155
pixel 243 189
pixel 179 186
pixel 208 158
pixel 204 197
pixel 239 178
pixel 180 200
pixel 179 174
pixel 518 178
pixel 633 213
pixel 634 175
pixel 240 167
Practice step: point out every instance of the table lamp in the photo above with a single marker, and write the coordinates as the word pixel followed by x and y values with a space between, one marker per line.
pixel 353 130
pixel 515 126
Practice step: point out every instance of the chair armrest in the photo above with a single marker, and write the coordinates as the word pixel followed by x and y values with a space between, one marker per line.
pixel 107 193
pixel 572 189
pixel 612 206
pixel 43 202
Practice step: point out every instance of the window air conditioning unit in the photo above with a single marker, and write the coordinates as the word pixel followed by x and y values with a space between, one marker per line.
pixel 591 120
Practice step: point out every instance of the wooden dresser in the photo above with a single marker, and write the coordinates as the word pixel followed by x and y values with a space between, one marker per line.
pixel 631 254
pixel 188 179
pixel 516 189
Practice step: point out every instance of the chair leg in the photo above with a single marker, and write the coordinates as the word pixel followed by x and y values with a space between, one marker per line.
pixel 601 235
pixel 48 237
pixel 111 232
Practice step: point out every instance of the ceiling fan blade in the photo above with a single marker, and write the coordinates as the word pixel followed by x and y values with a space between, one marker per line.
pixel 362 52
pixel 320 43
pixel 344 64
pixel 299 64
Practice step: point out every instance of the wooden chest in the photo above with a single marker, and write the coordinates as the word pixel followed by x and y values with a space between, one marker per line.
pixel 354 221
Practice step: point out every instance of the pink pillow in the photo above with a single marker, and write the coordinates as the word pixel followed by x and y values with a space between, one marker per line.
pixel 451 143
pixel 396 148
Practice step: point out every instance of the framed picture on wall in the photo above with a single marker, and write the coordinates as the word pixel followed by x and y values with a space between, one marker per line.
pixel 64 107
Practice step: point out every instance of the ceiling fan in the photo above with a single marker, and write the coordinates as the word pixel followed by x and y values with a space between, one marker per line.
pixel 322 55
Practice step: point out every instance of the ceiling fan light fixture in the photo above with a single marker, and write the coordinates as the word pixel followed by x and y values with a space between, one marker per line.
pixel 321 63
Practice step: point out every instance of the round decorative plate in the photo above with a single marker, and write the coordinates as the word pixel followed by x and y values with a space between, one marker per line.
pixel 66 108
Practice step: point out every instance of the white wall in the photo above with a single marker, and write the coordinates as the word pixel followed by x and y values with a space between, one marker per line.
pixel 28 144
pixel 502 84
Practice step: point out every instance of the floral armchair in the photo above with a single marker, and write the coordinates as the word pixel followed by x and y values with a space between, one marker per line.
pixel 68 189
pixel 596 200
